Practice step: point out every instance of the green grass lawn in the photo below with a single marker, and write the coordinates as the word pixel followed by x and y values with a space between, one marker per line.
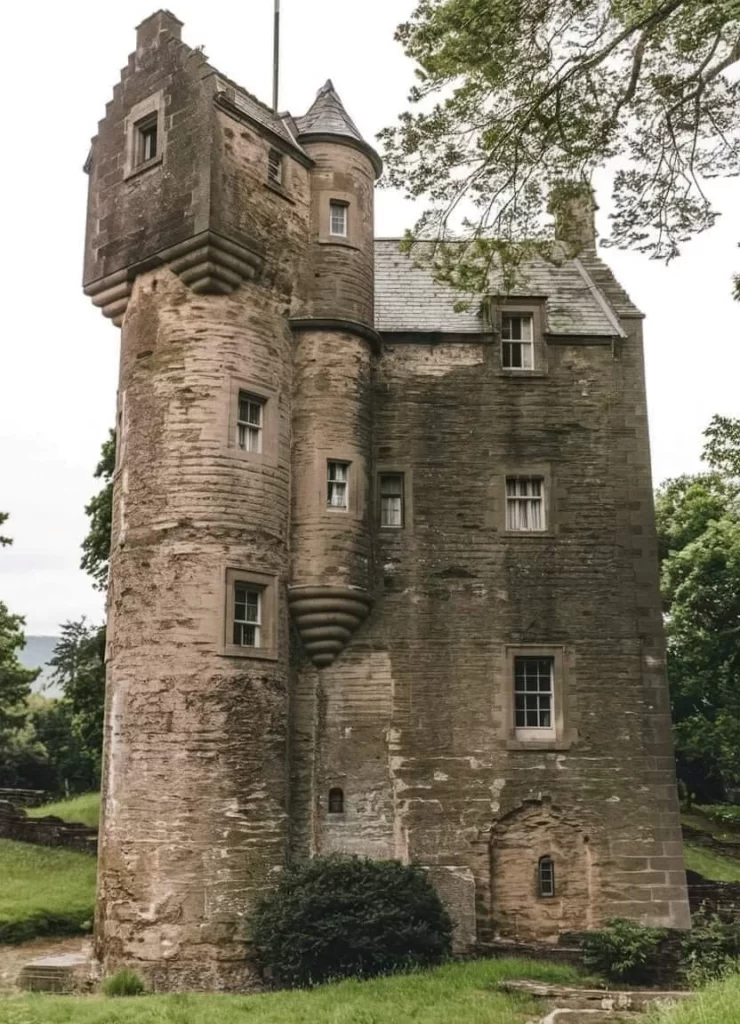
pixel 718 1003
pixel 44 891
pixel 84 809
pixel 461 993
pixel 711 865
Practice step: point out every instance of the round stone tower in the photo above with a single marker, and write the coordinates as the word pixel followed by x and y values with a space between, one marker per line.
pixel 331 540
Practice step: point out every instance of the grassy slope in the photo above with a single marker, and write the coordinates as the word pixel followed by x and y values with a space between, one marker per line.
pixel 718 1003
pixel 43 891
pixel 463 993
pixel 711 865
pixel 84 809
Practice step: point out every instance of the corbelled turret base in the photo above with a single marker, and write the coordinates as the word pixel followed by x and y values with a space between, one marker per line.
pixel 326 618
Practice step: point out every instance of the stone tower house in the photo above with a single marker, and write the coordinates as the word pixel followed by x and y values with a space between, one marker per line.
pixel 383 575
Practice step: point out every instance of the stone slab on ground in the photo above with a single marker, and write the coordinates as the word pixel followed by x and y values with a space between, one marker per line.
pixel 14 958
pixel 596 999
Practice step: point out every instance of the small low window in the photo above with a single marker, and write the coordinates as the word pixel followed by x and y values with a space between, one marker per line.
pixel 533 693
pixel 275 167
pixel 517 343
pixel 391 500
pixel 250 422
pixel 146 140
pixel 546 877
pixel 336 801
pixel 336 485
pixel 338 219
pixel 247 615
pixel 525 503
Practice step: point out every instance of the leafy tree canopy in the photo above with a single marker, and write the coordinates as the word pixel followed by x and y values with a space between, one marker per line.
pixel 79 667
pixel 96 545
pixel 699 539
pixel 515 96
pixel 15 680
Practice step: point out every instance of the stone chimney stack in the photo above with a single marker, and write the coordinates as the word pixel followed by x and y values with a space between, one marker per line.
pixel 573 206
pixel 157 24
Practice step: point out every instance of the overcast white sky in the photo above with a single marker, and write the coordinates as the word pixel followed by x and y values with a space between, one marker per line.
pixel 59 359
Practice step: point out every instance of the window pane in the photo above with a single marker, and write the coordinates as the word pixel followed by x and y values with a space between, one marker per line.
pixel 391 484
pixel 527 357
pixel 337 219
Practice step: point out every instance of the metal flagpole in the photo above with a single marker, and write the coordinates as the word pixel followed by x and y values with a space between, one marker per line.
pixel 276 56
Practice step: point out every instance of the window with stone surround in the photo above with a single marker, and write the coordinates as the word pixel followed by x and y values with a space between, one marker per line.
pixel 336 801
pixel 337 485
pixel 145 135
pixel 250 422
pixel 546 877
pixel 525 504
pixel 146 139
pixel 517 341
pixel 251 615
pixel 275 167
pixel 338 217
pixel 534 696
pixel 391 500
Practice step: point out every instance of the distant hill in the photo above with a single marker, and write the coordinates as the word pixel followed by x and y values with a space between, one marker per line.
pixel 36 654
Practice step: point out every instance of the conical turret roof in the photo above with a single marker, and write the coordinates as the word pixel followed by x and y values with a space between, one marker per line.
pixel 327 118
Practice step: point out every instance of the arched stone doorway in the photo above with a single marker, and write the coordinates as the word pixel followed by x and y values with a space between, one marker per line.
pixel 543 874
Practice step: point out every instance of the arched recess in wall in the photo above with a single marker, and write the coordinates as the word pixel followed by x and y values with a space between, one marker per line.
pixel 538 843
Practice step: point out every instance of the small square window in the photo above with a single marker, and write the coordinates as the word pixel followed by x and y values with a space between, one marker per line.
pixel 525 504
pixel 250 422
pixel 275 167
pixel 337 474
pixel 338 219
pixel 517 341
pixel 391 500
pixel 247 615
pixel 146 139
pixel 534 693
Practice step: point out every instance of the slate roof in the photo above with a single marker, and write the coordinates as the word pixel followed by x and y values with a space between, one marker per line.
pixel 408 299
pixel 279 124
pixel 327 116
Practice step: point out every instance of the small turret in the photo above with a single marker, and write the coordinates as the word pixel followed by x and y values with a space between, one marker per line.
pixel 331 533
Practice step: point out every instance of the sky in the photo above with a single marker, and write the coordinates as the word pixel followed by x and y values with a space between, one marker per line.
pixel 59 355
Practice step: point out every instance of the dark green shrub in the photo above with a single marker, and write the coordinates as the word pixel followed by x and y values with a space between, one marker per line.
pixel 336 917
pixel 710 950
pixel 123 983
pixel 623 951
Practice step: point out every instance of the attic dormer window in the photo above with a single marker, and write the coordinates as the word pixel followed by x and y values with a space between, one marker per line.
pixel 275 167
pixel 338 219
pixel 517 341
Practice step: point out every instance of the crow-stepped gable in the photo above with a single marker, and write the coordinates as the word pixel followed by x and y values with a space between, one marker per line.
pixel 383 571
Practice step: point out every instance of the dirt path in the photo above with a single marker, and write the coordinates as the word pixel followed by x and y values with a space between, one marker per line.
pixel 12 958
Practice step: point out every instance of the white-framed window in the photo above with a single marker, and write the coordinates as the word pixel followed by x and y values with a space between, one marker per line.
pixel 275 167
pixel 546 876
pixel 337 481
pixel 525 504
pixel 250 422
pixel 517 341
pixel 391 500
pixel 338 215
pixel 247 615
pixel 146 141
pixel 534 695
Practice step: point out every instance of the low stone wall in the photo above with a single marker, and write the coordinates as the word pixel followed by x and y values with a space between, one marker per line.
pixel 722 898
pixel 24 797
pixel 697 838
pixel 47 831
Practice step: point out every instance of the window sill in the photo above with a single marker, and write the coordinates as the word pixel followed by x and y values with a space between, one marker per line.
pixel 530 534
pixel 146 166
pixel 338 240
pixel 556 744
pixel 271 186
pixel 253 653
pixel 523 374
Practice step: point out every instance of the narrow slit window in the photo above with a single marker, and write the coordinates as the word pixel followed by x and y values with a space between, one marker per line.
pixel 147 139
pixel 247 615
pixel 338 219
pixel 533 693
pixel 275 167
pixel 336 801
pixel 525 504
pixel 391 500
pixel 546 877
pixel 517 346
pixel 250 422
pixel 336 485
